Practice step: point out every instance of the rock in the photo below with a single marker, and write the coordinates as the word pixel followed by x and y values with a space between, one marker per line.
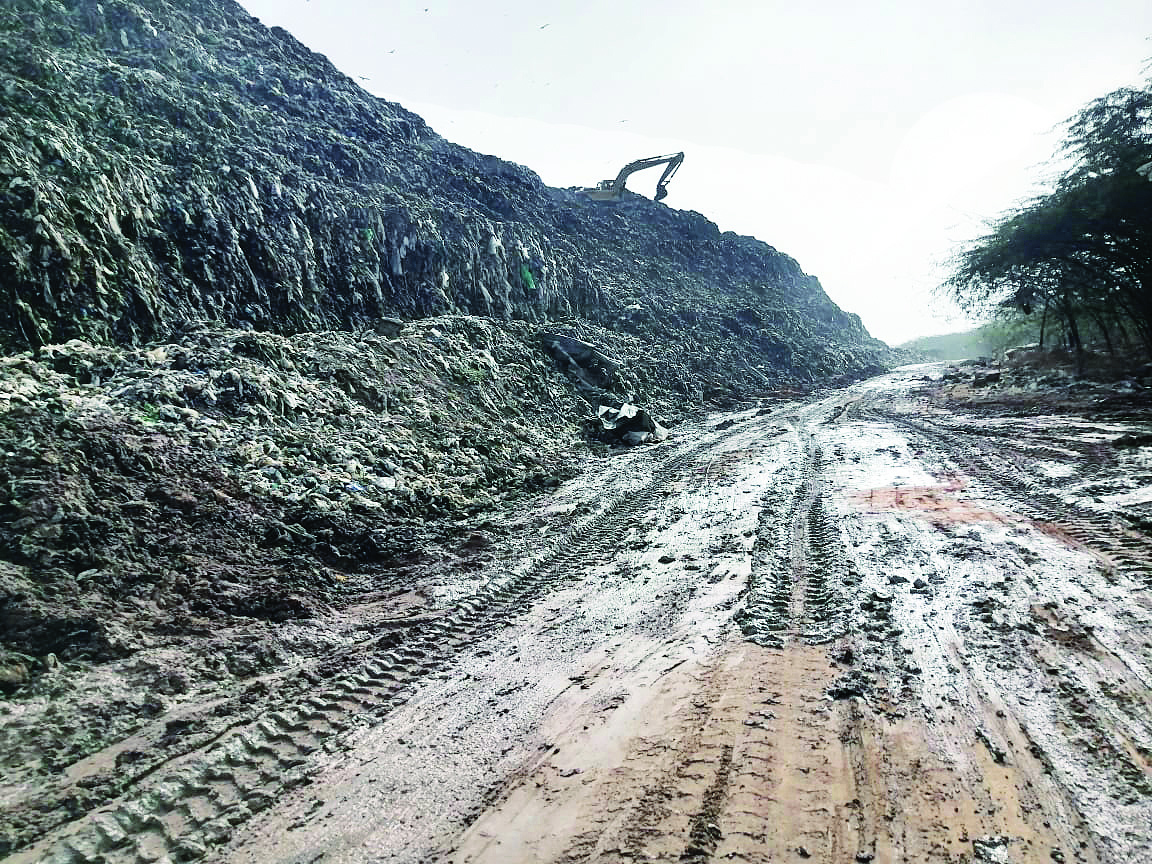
pixel 919 584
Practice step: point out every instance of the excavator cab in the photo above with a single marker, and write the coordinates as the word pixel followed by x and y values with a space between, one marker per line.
pixel 613 190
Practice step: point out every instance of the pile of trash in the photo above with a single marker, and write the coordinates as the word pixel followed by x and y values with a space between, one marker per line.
pixel 1050 380
pixel 233 472
pixel 262 188
pixel 172 474
pixel 628 424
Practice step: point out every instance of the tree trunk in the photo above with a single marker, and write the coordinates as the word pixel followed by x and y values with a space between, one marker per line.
pixel 1103 325
pixel 1075 343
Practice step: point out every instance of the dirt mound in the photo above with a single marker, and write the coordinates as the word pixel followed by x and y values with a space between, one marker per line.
pixel 1050 381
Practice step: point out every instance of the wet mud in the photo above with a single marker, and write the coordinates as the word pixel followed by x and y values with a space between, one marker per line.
pixel 877 625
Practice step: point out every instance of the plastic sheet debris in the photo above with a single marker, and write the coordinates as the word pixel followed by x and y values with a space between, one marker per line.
pixel 629 424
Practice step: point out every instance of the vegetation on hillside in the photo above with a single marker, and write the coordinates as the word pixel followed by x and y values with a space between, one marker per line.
pixel 1005 330
pixel 1079 258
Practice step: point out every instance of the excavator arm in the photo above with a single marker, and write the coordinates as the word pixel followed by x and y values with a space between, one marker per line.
pixel 612 190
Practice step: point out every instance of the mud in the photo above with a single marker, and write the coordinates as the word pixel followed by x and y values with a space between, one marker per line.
pixel 883 624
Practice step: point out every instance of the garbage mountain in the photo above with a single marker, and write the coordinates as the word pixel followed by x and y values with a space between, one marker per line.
pixel 273 354
pixel 164 163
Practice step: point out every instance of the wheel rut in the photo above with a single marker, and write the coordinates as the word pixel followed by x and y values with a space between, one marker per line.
pixel 183 807
pixel 801 577
pixel 1127 551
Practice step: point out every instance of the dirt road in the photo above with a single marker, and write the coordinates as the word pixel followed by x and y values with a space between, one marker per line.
pixel 861 628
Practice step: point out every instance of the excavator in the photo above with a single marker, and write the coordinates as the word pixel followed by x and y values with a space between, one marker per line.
pixel 613 190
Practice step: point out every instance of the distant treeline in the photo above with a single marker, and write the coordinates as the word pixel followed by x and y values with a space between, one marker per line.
pixel 1078 261
pixel 988 340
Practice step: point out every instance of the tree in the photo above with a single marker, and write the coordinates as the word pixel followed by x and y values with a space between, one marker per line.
pixel 1083 252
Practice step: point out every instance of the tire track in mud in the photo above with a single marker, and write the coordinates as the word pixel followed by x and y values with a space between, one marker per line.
pixel 800 572
pixel 736 759
pixel 1090 456
pixel 1085 683
pixel 202 795
pixel 669 813
pixel 704 834
pixel 1096 698
pixel 1126 551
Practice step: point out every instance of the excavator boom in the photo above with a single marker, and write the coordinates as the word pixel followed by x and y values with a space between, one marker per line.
pixel 613 190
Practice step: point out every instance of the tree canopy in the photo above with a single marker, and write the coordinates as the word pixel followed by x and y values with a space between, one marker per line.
pixel 1080 255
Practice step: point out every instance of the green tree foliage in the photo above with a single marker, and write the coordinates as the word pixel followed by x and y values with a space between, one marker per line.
pixel 1080 256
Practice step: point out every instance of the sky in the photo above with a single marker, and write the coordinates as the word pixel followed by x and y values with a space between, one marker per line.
pixel 869 141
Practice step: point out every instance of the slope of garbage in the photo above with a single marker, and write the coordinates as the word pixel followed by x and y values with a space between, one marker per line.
pixel 274 356
pixel 184 517
pixel 232 470
pixel 168 162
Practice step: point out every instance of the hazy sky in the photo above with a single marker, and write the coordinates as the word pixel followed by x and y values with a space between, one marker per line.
pixel 864 139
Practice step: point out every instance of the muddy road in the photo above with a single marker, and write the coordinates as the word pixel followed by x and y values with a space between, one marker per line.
pixel 861 628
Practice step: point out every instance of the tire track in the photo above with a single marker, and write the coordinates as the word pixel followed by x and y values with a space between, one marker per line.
pixel 799 568
pixel 704 835
pixel 1127 551
pixel 766 615
pixel 190 803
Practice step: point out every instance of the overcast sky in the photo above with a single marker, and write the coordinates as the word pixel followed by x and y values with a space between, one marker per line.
pixel 866 140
